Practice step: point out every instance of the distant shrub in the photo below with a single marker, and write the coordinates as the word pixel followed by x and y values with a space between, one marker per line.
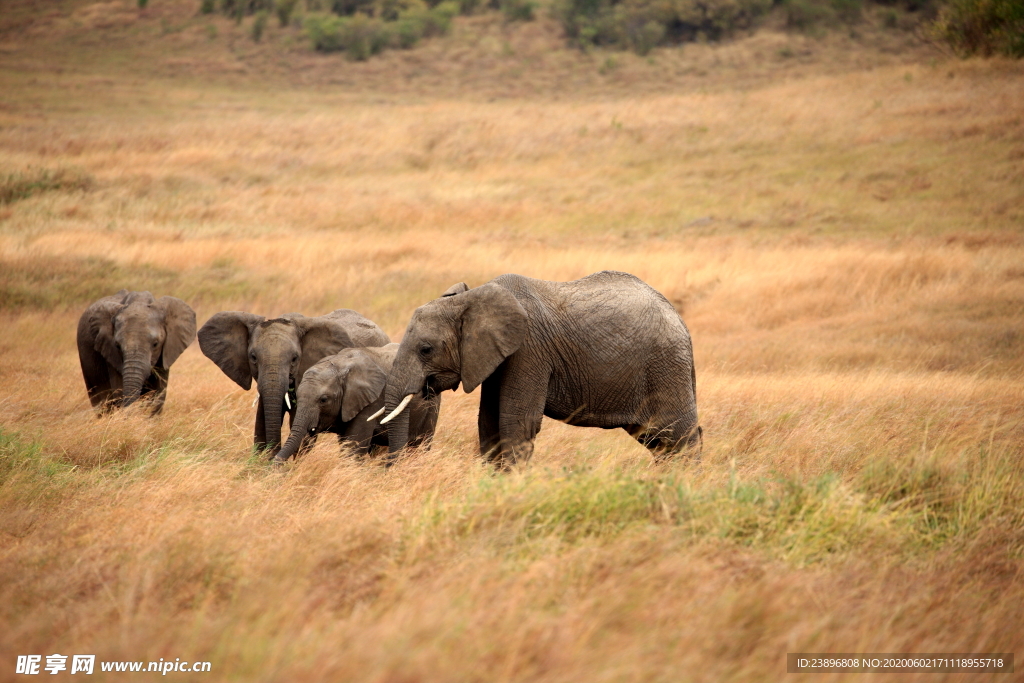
pixel 358 36
pixel 637 24
pixel 207 6
pixel 407 31
pixel 284 9
pixel 418 21
pixel 645 38
pixel 362 35
pixel 244 8
pixel 518 10
pixel 805 15
pixel 984 27
pixel 348 8
pixel 258 25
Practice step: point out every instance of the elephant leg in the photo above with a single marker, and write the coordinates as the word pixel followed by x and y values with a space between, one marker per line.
pixel 260 432
pixel 97 377
pixel 115 382
pixel 487 420
pixel 358 434
pixel 664 442
pixel 520 414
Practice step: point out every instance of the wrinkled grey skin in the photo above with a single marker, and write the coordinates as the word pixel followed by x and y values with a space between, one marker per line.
pixel 127 343
pixel 340 392
pixel 604 351
pixel 277 352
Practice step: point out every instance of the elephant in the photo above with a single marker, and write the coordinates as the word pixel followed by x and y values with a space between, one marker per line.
pixel 344 394
pixel 276 353
pixel 606 351
pixel 127 343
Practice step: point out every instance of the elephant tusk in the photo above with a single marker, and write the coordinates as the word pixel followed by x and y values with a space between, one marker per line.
pixel 400 408
pixel 376 415
pixel 287 401
pixel 256 400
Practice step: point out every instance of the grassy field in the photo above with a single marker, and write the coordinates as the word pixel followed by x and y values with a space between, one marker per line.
pixel 838 219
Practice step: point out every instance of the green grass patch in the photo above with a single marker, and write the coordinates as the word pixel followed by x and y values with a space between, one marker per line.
pixel 910 506
pixel 24 184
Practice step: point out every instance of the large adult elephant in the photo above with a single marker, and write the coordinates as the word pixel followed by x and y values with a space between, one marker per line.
pixel 603 351
pixel 277 352
pixel 127 343
pixel 344 394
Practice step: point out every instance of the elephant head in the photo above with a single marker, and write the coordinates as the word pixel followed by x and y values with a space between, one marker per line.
pixel 336 389
pixel 277 352
pixel 461 337
pixel 137 336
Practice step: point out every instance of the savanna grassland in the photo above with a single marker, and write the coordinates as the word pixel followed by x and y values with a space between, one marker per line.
pixel 839 219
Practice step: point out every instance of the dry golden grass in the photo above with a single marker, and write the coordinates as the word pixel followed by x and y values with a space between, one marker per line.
pixel 841 231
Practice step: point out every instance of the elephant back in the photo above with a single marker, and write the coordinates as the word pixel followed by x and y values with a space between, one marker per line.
pixel 361 330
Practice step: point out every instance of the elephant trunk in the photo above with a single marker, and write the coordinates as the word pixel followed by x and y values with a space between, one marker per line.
pixel 406 378
pixel 272 388
pixel 398 425
pixel 398 432
pixel 134 372
pixel 305 419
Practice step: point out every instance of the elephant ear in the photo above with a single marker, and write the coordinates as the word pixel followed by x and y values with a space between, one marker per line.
pixel 224 339
pixel 321 337
pixel 179 326
pixel 363 385
pixel 101 327
pixel 457 288
pixel 494 326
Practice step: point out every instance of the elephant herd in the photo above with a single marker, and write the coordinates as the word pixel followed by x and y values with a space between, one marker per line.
pixel 606 351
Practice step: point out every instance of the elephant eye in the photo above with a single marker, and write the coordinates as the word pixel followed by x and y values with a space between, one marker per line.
pixel 426 350
pixel 323 399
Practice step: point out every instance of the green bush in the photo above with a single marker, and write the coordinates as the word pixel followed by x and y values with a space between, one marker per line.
pixel 362 35
pixel 635 23
pixel 244 8
pixel 258 24
pixel 284 9
pixel 518 10
pixel 984 27
pixel 645 38
pixel 207 6
pixel 419 21
pixel 348 8
pixel 440 18
pixel 358 36
pixel 805 15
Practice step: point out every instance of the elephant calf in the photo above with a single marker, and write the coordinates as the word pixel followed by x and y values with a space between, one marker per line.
pixel 344 394
pixel 604 351
pixel 126 344
pixel 277 352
